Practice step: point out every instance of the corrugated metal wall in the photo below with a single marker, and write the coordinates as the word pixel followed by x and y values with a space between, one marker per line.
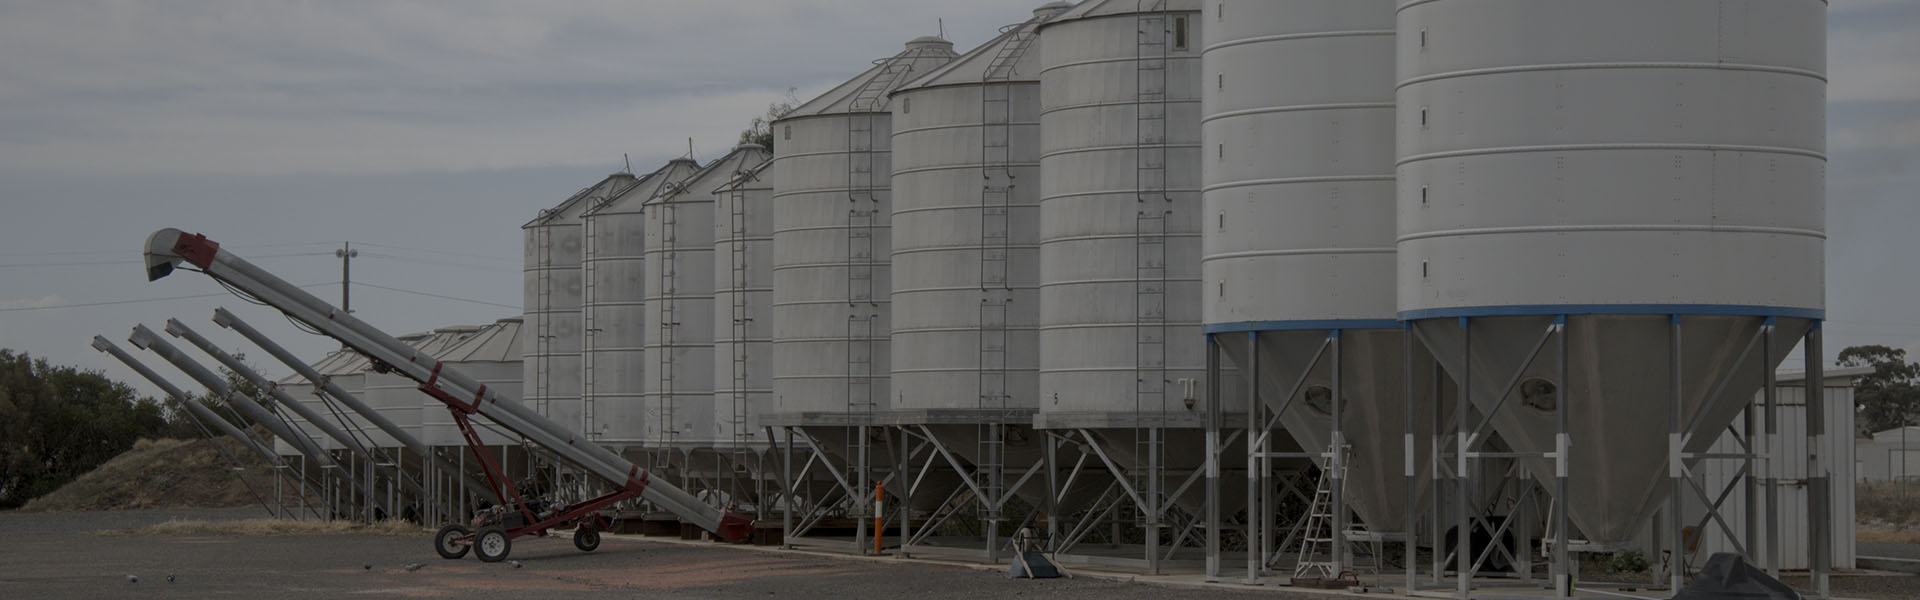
pixel 1714 476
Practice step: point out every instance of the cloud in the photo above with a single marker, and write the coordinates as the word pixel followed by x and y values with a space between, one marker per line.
pixel 42 302
pixel 241 87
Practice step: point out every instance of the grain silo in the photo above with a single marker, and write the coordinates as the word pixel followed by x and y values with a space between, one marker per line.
pixel 966 191
pixel 490 355
pixel 1122 356
pixel 1611 227
pixel 831 278
pixel 743 306
pixel 680 409
pixel 1299 240
pixel 614 370
pixel 397 397
pixel 552 298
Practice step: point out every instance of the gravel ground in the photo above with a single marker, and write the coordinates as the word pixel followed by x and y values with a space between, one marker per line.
pixel 58 555
pixel 61 555
pixel 1890 551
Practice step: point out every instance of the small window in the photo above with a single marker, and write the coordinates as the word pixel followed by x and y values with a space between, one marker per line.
pixel 1222 84
pixel 1221 149
pixel 1423 37
pixel 1223 289
pixel 1220 11
pixel 1423 195
pixel 1423 117
pixel 1223 221
pixel 1180 33
pixel 1423 269
pixel 786 133
pixel 906 105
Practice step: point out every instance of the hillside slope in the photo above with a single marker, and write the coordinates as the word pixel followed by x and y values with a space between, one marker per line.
pixel 165 473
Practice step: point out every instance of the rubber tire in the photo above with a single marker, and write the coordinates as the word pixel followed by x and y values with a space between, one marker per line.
pixel 586 538
pixel 440 543
pixel 485 537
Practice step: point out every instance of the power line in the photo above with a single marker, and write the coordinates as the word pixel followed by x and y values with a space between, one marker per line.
pixel 129 301
pixel 446 252
pixel 433 295
pixel 114 252
pixel 437 262
pixel 131 262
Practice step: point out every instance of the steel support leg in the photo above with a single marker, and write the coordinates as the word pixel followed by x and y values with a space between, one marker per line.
pixel 1213 459
pixel 1463 479
pixel 1819 479
pixel 1676 461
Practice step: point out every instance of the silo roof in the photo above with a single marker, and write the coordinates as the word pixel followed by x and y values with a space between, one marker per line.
pixel 499 342
pixel 653 184
pixel 977 64
pixel 870 88
pixel 1103 8
pixel 719 172
pixel 758 173
pixel 576 204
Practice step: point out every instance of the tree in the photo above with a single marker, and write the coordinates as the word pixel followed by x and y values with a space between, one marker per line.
pixel 760 129
pixel 1890 396
pixel 58 422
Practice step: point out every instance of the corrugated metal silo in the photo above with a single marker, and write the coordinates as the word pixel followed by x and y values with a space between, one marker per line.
pixel 1299 229
pixel 966 184
pixel 397 397
pixel 345 367
pixel 832 241
pixel 614 372
pixel 554 290
pixel 743 306
pixel 1652 171
pixel 490 356
pixel 1120 338
pixel 679 311
pixel 966 208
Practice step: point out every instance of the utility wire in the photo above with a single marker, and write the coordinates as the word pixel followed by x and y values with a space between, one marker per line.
pixel 446 252
pixel 436 262
pixel 118 252
pixel 433 295
pixel 135 262
pixel 132 301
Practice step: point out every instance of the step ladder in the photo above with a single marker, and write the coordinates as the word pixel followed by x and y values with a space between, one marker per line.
pixel 1319 560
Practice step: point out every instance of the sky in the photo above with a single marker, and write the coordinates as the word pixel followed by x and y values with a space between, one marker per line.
pixel 425 133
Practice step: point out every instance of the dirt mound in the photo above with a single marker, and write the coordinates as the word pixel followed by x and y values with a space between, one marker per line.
pixel 165 474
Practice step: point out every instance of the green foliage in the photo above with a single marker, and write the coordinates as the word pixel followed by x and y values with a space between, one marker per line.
pixel 760 129
pixel 1627 562
pixel 1890 396
pixel 58 422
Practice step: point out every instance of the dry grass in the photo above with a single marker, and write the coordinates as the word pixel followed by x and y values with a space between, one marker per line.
pixel 164 474
pixel 1886 515
pixel 267 527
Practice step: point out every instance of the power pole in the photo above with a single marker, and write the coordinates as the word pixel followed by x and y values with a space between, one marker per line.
pixel 346 253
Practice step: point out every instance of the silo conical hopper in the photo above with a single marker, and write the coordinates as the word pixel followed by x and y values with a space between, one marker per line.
pixel 1652 170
